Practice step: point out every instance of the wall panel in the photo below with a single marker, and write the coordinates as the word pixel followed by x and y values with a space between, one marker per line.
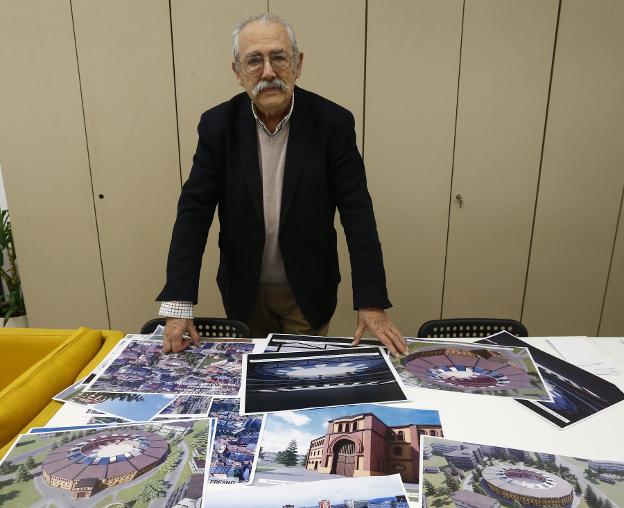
pixel 582 173
pixel 202 45
pixel 333 67
pixel 612 322
pixel 411 88
pixel 505 69
pixel 333 64
pixel 43 153
pixel 126 68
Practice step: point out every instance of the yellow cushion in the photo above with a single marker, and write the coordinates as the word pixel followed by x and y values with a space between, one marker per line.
pixel 110 339
pixel 25 347
pixel 24 398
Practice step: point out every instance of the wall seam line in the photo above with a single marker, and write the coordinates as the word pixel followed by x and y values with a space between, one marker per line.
pixel 84 123
pixel 175 93
pixel 615 238
pixel 450 200
pixel 541 161
pixel 364 76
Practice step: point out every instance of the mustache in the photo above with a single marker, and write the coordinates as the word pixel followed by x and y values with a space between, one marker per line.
pixel 272 83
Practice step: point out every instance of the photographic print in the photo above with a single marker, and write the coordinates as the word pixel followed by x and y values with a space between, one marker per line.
pixel 138 407
pixel 284 343
pixel 73 390
pixel 212 368
pixel 577 394
pixel 371 492
pixel 39 430
pixel 235 448
pixel 345 441
pixel 75 415
pixel 455 473
pixel 284 381
pixel 471 368
pixel 186 406
pixel 140 465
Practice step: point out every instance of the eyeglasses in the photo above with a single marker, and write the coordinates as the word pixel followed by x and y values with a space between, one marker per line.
pixel 254 64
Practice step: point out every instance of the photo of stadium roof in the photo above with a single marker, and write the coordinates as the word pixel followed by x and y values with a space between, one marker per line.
pixel 302 374
pixel 281 381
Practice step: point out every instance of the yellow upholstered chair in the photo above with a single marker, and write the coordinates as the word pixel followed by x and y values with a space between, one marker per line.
pixel 36 364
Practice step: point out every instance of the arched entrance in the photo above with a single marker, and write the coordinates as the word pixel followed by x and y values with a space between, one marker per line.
pixel 344 458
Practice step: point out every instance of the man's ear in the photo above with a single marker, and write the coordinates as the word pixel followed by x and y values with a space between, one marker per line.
pixel 237 73
pixel 299 64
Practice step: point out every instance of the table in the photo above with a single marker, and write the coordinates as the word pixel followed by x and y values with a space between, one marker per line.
pixel 503 422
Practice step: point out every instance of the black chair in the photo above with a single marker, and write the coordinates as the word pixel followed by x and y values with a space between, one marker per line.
pixel 208 327
pixel 471 327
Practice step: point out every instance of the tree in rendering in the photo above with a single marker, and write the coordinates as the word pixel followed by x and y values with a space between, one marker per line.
pixel 452 482
pixel 478 489
pixel 476 476
pixel 152 490
pixel 30 462
pixel 22 474
pixel 429 489
pixel 6 468
pixel 288 457
pixel 590 497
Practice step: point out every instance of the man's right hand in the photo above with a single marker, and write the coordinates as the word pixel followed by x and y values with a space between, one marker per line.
pixel 174 329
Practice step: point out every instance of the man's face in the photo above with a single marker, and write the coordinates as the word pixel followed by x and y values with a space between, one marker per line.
pixel 269 88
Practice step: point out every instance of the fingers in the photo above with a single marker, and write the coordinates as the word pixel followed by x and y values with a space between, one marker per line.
pixel 194 335
pixel 357 336
pixel 166 345
pixel 173 341
pixel 173 331
pixel 386 340
pixel 398 340
pixel 180 345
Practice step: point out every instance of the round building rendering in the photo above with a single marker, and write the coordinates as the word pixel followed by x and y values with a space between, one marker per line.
pixel 527 485
pixel 468 370
pixel 88 464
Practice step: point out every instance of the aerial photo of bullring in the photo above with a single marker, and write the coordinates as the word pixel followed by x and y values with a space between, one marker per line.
pixel 158 465
pixel 468 475
pixel 212 368
pixel 472 368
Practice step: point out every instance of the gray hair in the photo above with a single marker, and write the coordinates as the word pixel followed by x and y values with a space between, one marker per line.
pixel 264 17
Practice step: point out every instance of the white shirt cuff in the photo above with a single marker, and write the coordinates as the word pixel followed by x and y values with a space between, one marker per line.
pixel 182 310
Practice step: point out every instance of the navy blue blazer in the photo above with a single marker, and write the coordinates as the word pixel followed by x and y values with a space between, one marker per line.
pixel 323 171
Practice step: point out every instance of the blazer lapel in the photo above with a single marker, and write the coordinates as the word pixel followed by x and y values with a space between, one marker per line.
pixel 298 140
pixel 249 158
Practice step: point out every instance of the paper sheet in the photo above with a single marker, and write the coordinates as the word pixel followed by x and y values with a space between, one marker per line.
pixel 581 351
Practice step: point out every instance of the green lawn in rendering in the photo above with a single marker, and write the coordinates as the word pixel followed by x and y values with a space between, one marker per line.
pixel 436 461
pixel 615 492
pixel 18 495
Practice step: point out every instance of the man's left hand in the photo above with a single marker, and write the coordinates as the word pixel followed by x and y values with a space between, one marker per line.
pixel 377 321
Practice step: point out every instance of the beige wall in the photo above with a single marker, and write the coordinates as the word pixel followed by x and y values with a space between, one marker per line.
pixel 514 105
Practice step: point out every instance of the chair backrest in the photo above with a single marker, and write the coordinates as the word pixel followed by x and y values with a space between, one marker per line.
pixel 208 327
pixel 471 327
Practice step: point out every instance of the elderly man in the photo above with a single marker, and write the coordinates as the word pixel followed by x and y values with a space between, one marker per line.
pixel 277 161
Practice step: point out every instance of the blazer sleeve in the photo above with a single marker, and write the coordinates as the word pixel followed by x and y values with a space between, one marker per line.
pixel 348 180
pixel 196 207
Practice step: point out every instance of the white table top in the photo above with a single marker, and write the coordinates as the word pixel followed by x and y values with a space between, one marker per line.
pixel 504 422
